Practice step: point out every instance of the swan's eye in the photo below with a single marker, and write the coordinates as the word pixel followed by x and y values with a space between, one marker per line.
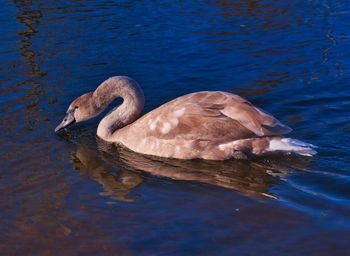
pixel 76 107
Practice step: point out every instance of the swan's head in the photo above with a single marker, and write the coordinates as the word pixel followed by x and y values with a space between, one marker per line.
pixel 79 110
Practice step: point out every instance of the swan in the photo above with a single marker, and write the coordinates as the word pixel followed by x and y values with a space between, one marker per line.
pixel 211 125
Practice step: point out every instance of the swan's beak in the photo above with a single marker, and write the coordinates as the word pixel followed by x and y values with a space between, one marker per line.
pixel 68 120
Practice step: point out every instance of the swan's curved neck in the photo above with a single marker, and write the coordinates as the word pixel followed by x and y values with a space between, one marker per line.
pixel 128 112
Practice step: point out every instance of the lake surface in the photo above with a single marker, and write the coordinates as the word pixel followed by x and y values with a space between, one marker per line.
pixel 74 195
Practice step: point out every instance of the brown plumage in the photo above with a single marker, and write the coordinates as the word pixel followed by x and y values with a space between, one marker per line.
pixel 208 125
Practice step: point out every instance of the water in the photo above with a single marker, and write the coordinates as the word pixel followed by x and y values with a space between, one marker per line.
pixel 72 194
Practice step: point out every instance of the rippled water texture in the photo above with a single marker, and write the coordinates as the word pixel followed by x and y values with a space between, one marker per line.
pixel 72 194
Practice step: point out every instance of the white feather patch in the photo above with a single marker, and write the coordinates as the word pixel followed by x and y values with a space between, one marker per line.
pixel 292 145
pixel 166 128
pixel 179 112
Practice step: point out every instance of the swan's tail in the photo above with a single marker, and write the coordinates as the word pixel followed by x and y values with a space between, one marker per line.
pixel 291 145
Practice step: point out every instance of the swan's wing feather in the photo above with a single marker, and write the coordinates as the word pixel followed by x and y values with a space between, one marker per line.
pixel 255 119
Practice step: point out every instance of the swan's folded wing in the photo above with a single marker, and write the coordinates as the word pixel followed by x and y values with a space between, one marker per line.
pixel 210 116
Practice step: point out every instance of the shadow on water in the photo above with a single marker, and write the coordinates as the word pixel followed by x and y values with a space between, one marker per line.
pixel 119 171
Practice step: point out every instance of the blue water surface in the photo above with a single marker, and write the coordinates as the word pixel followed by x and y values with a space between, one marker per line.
pixel 73 195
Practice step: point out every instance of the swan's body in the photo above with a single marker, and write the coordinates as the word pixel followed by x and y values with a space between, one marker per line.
pixel 208 125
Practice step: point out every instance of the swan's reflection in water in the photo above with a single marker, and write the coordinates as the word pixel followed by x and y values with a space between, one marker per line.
pixel 120 170
pixel 116 184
